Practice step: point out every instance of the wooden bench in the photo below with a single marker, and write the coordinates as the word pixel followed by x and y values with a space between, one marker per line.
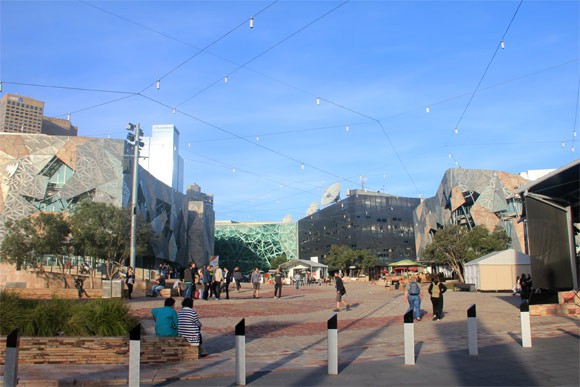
pixel 465 287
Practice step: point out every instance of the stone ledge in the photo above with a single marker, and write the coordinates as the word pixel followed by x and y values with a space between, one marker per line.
pixel 47 294
pixel 99 350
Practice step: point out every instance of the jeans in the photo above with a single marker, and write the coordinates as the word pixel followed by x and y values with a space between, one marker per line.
pixel 414 305
pixel 188 290
pixel 156 289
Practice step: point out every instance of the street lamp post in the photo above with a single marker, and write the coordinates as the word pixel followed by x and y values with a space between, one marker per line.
pixel 137 144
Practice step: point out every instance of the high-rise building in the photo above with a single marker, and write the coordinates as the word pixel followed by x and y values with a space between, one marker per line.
pixel 20 114
pixel 25 115
pixel 374 221
pixel 160 156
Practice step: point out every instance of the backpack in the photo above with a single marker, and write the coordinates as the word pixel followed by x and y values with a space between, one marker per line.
pixel 414 288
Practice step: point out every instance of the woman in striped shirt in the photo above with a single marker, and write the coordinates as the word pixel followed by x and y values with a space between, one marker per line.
pixel 189 326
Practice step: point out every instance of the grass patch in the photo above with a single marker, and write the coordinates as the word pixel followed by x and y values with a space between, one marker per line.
pixel 99 317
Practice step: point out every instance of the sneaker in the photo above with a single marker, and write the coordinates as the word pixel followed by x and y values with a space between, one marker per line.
pixel 336 310
pixel 347 307
pixel 435 318
pixel 418 318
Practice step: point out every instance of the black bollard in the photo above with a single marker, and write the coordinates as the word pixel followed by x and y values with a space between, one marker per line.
pixel 409 335
pixel 135 356
pixel 472 330
pixel 332 325
pixel 11 359
pixel 241 353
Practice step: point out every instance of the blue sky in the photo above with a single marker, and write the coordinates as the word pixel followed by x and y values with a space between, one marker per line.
pixel 375 65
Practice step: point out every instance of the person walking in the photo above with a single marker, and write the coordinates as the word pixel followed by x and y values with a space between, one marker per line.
pixel 340 293
pixel 255 280
pixel 278 276
pixel 436 290
pixel 130 281
pixel 189 325
pixel 227 281
pixel 237 278
pixel 188 281
pixel 217 279
pixel 297 280
pixel 206 281
pixel 413 295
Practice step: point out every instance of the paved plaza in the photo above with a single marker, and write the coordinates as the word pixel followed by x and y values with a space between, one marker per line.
pixel 286 343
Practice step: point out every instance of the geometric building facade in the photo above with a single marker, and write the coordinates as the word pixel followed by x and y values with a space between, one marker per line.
pixel 374 221
pixel 53 173
pixel 254 244
pixel 472 197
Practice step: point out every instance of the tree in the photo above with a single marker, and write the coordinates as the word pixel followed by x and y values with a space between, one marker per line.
pixel 103 231
pixel 277 261
pixel 17 243
pixel 51 235
pixel 339 257
pixel 342 257
pixel 455 245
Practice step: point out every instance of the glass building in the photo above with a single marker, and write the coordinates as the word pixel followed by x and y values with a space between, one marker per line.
pixel 378 222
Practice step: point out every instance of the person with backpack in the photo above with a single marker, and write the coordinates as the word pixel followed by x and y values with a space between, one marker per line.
pixel 413 295
pixel 436 290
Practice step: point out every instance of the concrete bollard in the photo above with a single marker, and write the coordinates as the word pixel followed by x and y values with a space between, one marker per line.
pixel 332 325
pixel 241 353
pixel 472 330
pixel 525 324
pixel 11 359
pixel 409 334
pixel 135 356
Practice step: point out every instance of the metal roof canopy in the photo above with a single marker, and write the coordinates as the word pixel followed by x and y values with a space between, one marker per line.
pixel 551 212
pixel 561 185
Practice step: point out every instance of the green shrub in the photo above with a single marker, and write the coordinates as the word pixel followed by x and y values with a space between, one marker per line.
pixel 98 317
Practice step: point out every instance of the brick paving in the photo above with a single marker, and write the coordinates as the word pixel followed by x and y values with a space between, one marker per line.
pixel 291 333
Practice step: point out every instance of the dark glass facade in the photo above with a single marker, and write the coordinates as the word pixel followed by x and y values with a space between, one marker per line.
pixel 378 222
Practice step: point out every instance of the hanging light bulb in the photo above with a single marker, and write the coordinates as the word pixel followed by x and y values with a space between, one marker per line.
pixel 572 149
pixel 427 109
pixel 226 79
pixel 257 138
pixel 234 170
pixel 158 84
pixel 502 44
pixel 301 165
pixel 189 144
pixel 174 110
pixel 318 100
pixel 456 130
pixel 563 144
pixel 449 155
pixel 68 117
pixel 574 133
pixel 251 22
pixel 347 128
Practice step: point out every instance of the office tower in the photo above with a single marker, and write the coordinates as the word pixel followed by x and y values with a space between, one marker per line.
pixel 160 155
pixel 20 114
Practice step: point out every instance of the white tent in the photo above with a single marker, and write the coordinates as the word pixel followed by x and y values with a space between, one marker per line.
pixel 497 270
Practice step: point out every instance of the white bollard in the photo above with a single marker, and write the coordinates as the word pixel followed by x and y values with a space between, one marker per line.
pixel 525 324
pixel 135 356
pixel 241 353
pixel 472 330
pixel 11 359
pixel 409 334
pixel 332 325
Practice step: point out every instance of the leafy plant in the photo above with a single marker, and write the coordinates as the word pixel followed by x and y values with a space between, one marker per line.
pixel 99 317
